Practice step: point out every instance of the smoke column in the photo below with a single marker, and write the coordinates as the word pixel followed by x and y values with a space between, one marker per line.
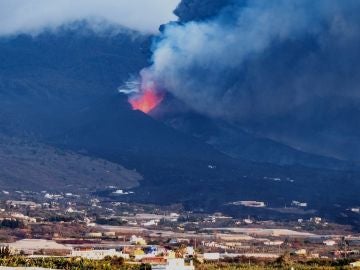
pixel 261 58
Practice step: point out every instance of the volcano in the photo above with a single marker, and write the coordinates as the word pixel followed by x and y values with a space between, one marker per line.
pixel 67 98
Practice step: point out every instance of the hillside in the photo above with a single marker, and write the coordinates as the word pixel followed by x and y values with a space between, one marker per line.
pixel 34 166
pixel 239 141
pixel 44 78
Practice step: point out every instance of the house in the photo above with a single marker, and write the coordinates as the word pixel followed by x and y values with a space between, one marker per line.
pixel 94 235
pixel 190 251
pixel 98 254
pixel 137 240
pixel 211 256
pixel 316 220
pixel 109 234
pixel 273 243
pixel 248 221
pixel 299 204
pixel 250 204
pixel 30 204
pixel 234 237
pixel 174 217
pixel 174 264
pixel 154 260
pixel 138 251
pixel 153 222
pixel 170 254
pixel 329 242
pixel 300 252
pixel 71 210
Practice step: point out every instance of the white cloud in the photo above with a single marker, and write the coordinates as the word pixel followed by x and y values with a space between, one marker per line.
pixel 31 16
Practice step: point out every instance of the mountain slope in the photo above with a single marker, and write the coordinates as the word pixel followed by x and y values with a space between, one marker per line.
pixel 111 126
pixel 44 78
pixel 32 166
pixel 233 140
pixel 325 126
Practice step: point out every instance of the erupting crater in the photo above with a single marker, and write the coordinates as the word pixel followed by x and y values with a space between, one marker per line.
pixel 146 100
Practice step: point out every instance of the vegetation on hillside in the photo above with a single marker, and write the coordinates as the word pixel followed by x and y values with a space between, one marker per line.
pixel 70 263
pixel 109 263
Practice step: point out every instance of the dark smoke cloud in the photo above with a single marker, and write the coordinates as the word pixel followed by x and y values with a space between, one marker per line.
pixel 262 58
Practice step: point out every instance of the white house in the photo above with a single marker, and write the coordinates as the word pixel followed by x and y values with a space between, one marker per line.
pixel 137 240
pixel 329 242
pixel 100 254
pixel 211 256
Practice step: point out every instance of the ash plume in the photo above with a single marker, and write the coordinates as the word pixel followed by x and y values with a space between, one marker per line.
pixel 261 58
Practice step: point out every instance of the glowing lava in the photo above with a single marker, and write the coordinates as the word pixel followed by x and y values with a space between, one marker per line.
pixel 146 100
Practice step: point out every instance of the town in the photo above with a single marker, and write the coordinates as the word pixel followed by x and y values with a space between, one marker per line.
pixel 38 225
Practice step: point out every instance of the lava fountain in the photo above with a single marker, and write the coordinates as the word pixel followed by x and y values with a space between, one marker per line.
pixel 146 100
pixel 143 92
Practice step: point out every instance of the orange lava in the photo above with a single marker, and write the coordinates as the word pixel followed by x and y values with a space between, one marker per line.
pixel 146 100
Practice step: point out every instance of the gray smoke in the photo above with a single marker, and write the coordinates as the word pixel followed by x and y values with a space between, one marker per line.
pixel 262 58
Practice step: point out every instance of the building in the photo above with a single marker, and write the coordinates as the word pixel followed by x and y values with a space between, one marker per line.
pixel 139 254
pixel 137 240
pixel 234 237
pixel 189 251
pixel 94 235
pixel 329 243
pixel 109 234
pixel 30 204
pixel 174 264
pixel 250 203
pixel 211 256
pixel 154 260
pixel 299 204
pixel 273 243
pixel 153 222
pixel 300 252
pixel 98 254
pixel 316 220
pixel 170 254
